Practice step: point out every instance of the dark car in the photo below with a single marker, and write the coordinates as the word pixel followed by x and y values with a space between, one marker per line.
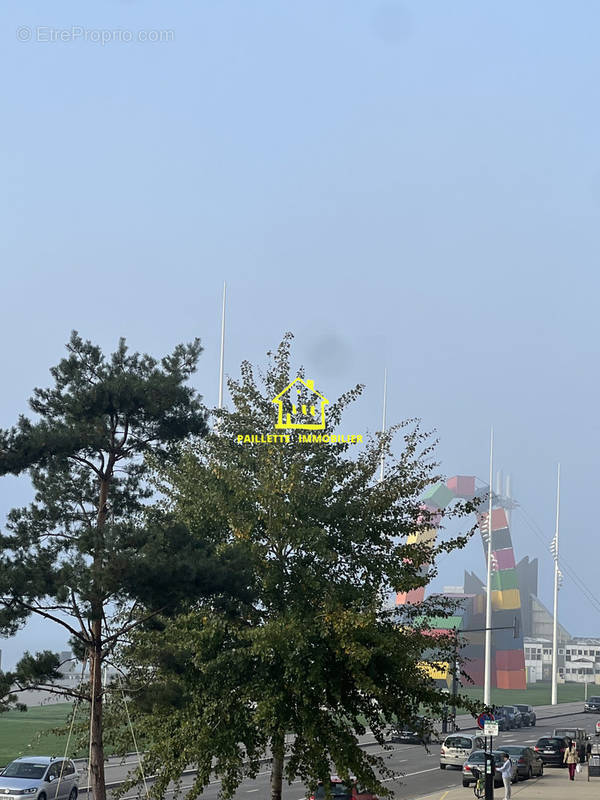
pixel 418 732
pixel 509 713
pixel 528 715
pixel 518 716
pixel 527 760
pixel 592 704
pixel 501 717
pixel 551 749
pixel 476 762
pixel 577 735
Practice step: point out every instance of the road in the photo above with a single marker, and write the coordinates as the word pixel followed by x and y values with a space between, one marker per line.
pixel 421 776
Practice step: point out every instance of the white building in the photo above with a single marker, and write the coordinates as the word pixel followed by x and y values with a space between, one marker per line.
pixel 582 660
pixel 578 659
pixel 73 672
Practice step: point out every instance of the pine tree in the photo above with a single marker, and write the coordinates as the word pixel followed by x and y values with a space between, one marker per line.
pixel 31 672
pixel 86 555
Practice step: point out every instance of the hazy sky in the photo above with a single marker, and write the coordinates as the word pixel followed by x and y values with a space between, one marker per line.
pixel 413 185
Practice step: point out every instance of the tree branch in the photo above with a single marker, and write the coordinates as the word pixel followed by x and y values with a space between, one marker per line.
pixel 87 463
pixel 42 613
pixel 63 691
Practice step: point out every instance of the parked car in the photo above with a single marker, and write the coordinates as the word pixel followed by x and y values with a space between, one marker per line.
pixel 509 713
pixel 528 715
pixel 40 778
pixel 592 704
pixel 518 717
pixel 551 749
pixel 577 735
pixel 457 747
pixel 419 732
pixel 527 760
pixel 476 761
pixel 503 720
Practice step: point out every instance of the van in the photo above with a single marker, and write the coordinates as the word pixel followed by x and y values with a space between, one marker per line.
pixel 457 747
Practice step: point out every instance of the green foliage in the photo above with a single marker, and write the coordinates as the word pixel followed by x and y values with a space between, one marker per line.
pixel 29 673
pixel 318 652
pixel 86 554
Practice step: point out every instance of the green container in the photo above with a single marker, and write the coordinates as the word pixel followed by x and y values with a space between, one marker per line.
pixel 445 623
pixel 438 496
pixel 504 579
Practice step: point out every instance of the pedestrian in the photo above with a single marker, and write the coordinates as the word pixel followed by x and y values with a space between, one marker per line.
pixel 571 759
pixel 506 772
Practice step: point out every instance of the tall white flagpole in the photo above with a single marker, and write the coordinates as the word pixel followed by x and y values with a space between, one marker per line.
pixel 383 422
pixel 556 581
pixel 222 362
pixel 488 603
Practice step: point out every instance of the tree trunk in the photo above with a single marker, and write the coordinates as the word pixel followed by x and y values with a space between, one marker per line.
pixel 96 739
pixel 96 766
pixel 277 751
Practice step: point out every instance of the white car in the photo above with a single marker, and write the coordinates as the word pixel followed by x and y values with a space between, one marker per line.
pixel 457 747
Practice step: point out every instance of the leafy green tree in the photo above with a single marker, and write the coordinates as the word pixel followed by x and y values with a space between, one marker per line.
pixel 319 653
pixel 85 554
pixel 31 672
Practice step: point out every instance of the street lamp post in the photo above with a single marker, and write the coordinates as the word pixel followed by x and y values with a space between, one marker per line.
pixel 487 682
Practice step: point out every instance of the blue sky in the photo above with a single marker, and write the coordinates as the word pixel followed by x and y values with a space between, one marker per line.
pixel 413 185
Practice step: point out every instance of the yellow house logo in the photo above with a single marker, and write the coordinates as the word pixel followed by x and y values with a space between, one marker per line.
pixel 304 406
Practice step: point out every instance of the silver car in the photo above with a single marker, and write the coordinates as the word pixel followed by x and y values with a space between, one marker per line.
pixel 39 778
pixel 457 747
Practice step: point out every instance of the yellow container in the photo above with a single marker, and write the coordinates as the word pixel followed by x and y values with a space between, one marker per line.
pixel 506 600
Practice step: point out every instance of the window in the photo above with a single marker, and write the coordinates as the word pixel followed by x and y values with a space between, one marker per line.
pixel 24 769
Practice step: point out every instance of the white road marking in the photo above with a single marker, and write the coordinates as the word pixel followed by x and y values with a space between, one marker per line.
pixel 410 774
pixel 252 790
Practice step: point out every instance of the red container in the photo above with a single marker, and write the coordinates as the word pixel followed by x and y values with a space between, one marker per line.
pixel 511 679
pixel 414 596
pixel 498 520
pixel 510 659
pixel 462 486
pixel 475 669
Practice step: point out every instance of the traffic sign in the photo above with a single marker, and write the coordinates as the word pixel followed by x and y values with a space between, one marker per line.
pixel 490 729
pixel 484 717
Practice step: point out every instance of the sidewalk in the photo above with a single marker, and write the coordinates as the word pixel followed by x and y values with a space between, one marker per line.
pixel 554 785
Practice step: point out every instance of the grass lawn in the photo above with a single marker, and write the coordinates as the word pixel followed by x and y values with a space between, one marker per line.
pixel 21 732
pixel 537 694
